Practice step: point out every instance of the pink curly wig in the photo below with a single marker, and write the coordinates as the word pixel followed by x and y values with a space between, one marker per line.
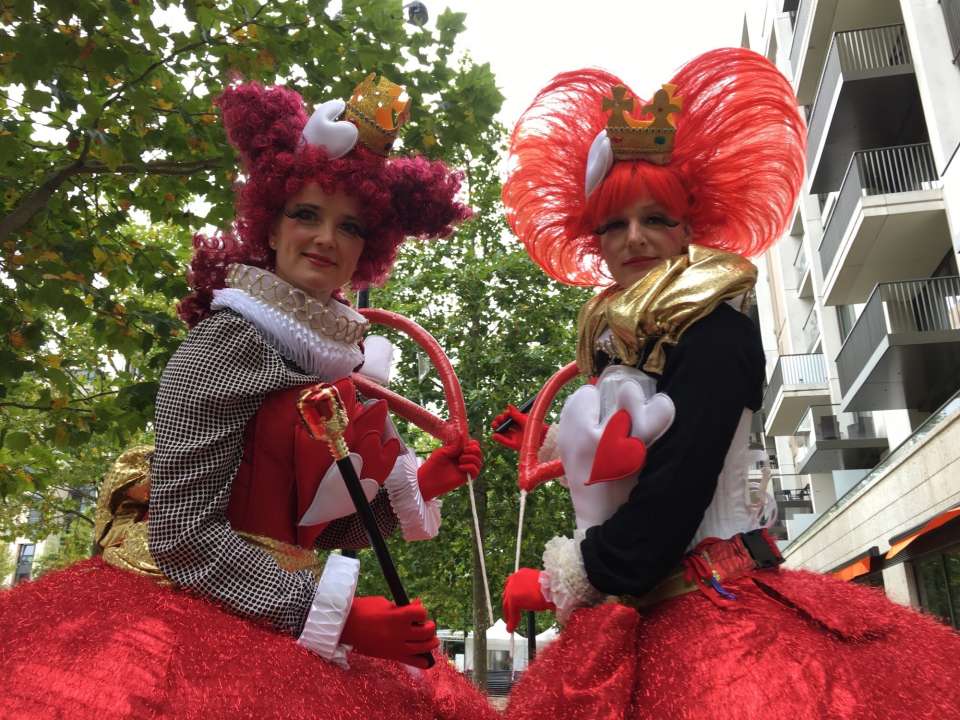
pixel 400 197
pixel 734 176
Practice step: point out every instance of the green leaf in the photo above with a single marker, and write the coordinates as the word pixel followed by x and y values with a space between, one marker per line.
pixel 17 441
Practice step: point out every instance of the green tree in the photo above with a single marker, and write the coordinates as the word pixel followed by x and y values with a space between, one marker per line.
pixel 111 155
pixel 7 564
pixel 507 328
pixel 72 543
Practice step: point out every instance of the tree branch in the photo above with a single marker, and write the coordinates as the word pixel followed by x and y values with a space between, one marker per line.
pixel 159 167
pixel 48 408
pixel 37 200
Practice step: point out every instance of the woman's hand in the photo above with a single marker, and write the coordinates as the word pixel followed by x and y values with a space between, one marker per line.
pixel 378 628
pixel 522 592
pixel 513 437
pixel 447 468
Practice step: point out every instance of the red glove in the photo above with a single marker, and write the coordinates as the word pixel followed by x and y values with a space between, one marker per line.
pixel 514 435
pixel 522 592
pixel 378 628
pixel 446 469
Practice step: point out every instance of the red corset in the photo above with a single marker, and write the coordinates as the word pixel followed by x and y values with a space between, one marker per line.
pixel 282 465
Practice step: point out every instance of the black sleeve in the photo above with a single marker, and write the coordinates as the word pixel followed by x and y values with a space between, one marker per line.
pixel 714 372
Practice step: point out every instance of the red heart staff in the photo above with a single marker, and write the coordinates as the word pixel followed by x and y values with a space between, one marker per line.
pixel 325 418
pixel 446 430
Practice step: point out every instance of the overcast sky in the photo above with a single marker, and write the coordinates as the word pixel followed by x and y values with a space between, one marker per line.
pixel 644 42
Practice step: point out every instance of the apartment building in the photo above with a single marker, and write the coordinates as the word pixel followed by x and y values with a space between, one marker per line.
pixel 859 304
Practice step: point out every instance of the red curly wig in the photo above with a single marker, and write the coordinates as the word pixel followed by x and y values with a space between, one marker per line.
pixel 400 197
pixel 734 175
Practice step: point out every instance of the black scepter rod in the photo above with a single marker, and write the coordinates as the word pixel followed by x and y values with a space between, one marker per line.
pixel 508 423
pixel 325 418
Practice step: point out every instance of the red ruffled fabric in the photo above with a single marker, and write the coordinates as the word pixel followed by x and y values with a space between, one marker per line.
pixel 794 646
pixel 96 642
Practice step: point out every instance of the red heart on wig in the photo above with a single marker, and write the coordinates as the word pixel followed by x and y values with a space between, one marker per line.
pixel 618 455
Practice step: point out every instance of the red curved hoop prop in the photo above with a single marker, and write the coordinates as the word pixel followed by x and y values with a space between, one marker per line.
pixel 447 431
pixel 531 472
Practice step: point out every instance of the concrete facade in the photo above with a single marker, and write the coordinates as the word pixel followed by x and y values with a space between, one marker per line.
pixel 902 234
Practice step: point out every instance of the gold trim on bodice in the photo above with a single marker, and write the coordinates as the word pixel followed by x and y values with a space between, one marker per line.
pixel 332 320
pixel 660 306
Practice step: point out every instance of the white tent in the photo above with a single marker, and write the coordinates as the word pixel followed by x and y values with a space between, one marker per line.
pixel 499 647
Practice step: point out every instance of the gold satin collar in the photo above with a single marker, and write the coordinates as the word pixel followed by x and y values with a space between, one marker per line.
pixel 660 306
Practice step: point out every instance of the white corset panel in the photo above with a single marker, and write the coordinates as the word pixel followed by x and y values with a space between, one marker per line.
pixel 730 512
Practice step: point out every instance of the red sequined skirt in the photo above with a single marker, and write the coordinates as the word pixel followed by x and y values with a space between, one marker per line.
pixel 794 646
pixel 93 641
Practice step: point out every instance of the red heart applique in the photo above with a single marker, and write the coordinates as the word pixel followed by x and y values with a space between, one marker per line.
pixel 618 455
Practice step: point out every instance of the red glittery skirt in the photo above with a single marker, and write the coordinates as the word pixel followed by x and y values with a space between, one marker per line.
pixel 793 646
pixel 93 641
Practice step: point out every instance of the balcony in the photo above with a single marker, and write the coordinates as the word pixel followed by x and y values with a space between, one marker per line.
pixel 904 350
pixel 888 222
pixel 826 440
pixel 868 98
pixel 814 25
pixel 797 382
pixel 802 269
pixel 792 505
pixel 811 330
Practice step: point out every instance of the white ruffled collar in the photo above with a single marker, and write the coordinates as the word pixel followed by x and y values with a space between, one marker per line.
pixel 322 338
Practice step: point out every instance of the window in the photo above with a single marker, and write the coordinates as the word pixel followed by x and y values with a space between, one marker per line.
pixel 938 584
pixel 874 579
pixel 25 552
pixel 846 319
pixel 499 660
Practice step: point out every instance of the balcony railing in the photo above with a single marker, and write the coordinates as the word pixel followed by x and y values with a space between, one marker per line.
pixel 798 45
pixel 951 15
pixel 826 422
pixel 945 413
pixel 800 264
pixel 854 54
pixel 794 370
pixel 898 307
pixel 882 171
pixel 811 329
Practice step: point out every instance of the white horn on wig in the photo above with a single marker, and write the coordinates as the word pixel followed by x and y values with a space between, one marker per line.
pixel 599 161
pixel 324 129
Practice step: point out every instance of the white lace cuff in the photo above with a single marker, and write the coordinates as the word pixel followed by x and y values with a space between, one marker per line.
pixel 331 605
pixel 419 518
pixel 564 578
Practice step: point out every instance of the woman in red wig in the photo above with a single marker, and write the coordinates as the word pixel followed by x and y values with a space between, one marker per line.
pixel 673 602
pixel 208 601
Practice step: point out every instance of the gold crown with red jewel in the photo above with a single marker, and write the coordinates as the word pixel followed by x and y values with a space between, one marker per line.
pixel 378 107
pixel 650 140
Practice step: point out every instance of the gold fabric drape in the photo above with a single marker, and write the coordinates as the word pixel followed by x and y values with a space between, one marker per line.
pixel 660 306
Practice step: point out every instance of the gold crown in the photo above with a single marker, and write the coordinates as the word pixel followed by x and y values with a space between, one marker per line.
pixel 650 140
pixel 378 111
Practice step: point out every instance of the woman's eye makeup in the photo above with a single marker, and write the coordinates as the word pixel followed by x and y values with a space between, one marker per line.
pixel 662 220
pixel 303 215
pixel 611 225
pixel 352 228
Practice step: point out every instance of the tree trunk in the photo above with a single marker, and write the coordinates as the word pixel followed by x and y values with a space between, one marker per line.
pixel 480 620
